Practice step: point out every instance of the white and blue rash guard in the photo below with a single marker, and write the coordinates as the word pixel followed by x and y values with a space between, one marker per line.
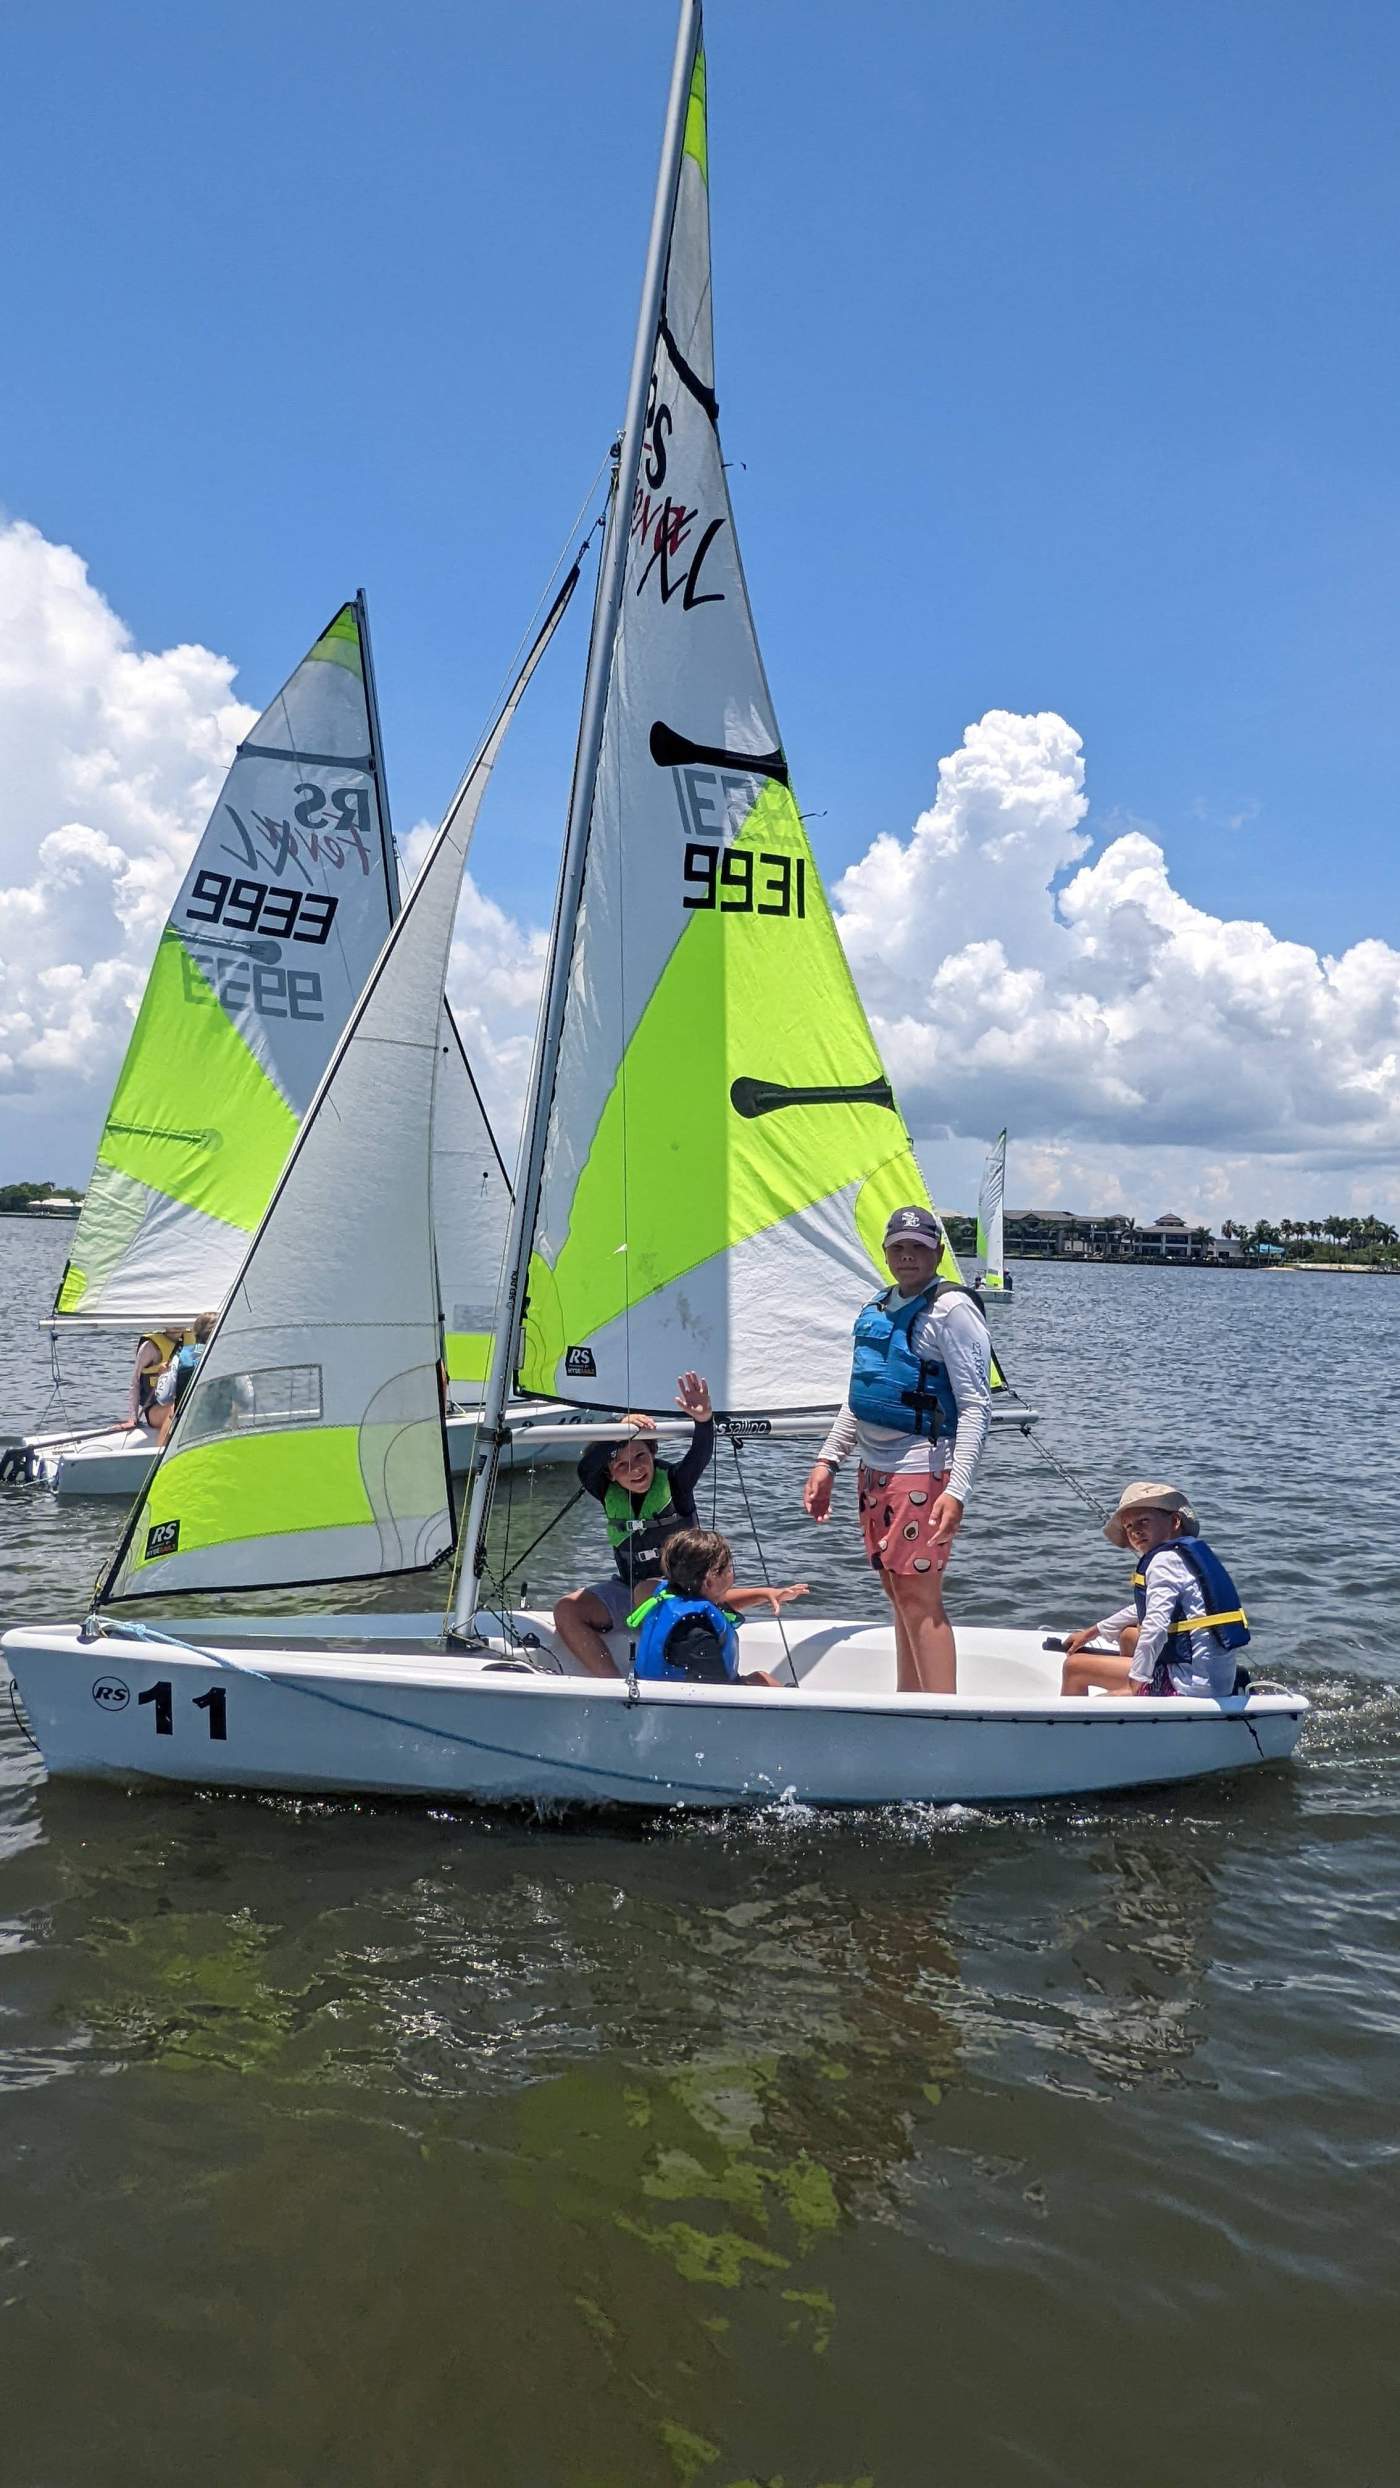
pixel 1207 1670
pixel 955 1333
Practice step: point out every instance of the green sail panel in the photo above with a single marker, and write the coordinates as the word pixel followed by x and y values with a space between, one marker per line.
pixel 723 1146
pixel 282 911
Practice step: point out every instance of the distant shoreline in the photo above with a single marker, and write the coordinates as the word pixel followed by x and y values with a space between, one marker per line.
pixel 1241 1269
pixel 42 1217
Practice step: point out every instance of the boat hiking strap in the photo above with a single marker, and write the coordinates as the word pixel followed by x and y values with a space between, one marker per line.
pixel 762 1558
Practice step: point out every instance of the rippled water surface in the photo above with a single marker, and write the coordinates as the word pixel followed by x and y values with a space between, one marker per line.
pixel 371 2146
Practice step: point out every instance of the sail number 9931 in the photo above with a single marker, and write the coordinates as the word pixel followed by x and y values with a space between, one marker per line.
pixel 741 881
pixel 243 906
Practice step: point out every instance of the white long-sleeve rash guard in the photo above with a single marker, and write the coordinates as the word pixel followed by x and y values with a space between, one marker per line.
pixel 956 1333
pixel 1204 1668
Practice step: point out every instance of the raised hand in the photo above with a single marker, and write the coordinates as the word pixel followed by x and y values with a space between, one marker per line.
pixel 693 1397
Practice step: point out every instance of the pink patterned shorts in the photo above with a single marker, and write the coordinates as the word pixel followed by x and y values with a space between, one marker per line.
pixel 894 1518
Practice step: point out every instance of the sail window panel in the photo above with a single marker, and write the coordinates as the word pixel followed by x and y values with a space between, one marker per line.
pixel 247 1403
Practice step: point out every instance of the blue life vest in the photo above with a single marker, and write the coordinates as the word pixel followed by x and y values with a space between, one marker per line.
pixel 1224 1621
pixel 707 1636
pixel 890 1385
pixel 185 1363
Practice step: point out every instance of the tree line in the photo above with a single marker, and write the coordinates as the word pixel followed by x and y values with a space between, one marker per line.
pixel 1336 1238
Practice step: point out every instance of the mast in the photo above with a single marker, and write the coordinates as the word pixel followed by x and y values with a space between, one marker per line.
pixel 388 856
pixel 595 691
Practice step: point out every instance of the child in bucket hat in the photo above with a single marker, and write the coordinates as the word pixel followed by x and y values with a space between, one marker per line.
pixel 1185 1624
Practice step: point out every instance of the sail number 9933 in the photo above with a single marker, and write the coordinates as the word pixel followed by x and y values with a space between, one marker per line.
pixel 741 881
pixel 243 906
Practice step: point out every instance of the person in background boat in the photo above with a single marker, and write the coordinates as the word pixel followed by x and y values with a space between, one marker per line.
pixel 918 1410
pixel 645 1501
pixel 174 1379
pixel 1185 1623
pixel 688 1629
pixel 153 1353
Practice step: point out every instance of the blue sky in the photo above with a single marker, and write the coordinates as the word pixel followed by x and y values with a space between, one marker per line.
pixel 1057 343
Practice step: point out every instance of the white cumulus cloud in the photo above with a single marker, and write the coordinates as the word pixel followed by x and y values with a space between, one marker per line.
pixel 1146 1053
pixel 110 760
pixel 1133 1039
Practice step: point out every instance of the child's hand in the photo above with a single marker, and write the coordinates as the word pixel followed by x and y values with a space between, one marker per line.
pixel 784 1597
pixel 1080 1640
pixel 693 1397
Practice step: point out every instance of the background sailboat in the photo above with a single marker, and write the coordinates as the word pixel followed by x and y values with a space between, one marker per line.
pixel 991 1279
pixel 282 912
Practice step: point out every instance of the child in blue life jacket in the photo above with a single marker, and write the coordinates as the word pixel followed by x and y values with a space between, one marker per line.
pixel 1185 1625
pixel 688 1631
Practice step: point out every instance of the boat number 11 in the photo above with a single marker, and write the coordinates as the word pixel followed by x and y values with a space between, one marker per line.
pixel 214 1704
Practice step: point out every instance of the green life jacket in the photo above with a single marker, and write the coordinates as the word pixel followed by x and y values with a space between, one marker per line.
pixel 624 1518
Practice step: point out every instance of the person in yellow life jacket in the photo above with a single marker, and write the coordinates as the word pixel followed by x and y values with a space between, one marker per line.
pixel 154 1351
pixel 1185 1624
pixel 174 1379
pixel 644 1500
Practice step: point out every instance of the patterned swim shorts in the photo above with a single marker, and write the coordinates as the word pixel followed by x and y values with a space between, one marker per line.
pixel 894 1519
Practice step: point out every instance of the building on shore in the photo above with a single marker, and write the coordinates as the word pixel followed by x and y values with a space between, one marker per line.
pixel 1063 1235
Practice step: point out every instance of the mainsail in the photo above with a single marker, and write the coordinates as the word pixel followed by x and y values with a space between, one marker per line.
pixel 279 918
pixel 723 1144
pixel 310 1445
pixel 990 1249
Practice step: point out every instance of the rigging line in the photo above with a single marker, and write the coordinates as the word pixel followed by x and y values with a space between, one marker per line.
pixel 762 1558
pixel 1046 1454
pixel 564 1508
pixel 560 560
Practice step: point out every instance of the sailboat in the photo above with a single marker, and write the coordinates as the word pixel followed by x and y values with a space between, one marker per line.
pixel 710 1151
pixel 283 909
pixel 991 1279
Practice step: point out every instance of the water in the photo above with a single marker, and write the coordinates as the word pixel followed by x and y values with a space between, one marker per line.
pixel 372 2146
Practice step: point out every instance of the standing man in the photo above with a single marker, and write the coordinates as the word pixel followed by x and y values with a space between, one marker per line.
pixel 918 1410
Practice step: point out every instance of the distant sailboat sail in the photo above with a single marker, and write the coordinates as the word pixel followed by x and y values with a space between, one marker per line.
pixel 990 1247
pixel 723 1145
pixel 471 1214
pixel 310 1444
pixel 279 918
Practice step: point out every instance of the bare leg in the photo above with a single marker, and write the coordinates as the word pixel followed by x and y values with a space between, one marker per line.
pixel 924 1645
pixel 581 1620
pixel 903 1655
pixel 159 1418
pixel 1104 1668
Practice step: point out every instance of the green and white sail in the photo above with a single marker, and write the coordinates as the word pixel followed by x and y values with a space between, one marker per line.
pixel 309 1446
pixel 278 921
pixel 991 1251
pixel 723 1147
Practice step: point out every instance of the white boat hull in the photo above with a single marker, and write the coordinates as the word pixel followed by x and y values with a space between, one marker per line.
pixel 118 1464
pixel 377 1712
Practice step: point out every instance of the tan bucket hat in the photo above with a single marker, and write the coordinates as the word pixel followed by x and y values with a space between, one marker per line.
pixel 1143 1496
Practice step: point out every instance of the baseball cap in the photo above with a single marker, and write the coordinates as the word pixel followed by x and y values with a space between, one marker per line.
pixel 915 1226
